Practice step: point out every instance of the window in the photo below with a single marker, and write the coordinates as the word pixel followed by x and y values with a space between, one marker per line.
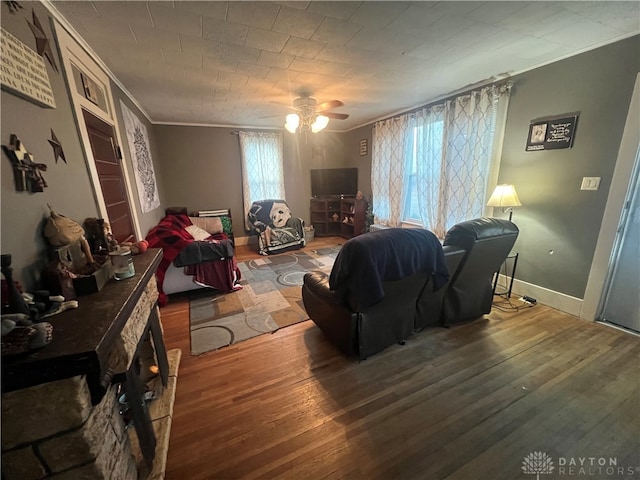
pixel 262 167
pixel 433 131
pixel 433 166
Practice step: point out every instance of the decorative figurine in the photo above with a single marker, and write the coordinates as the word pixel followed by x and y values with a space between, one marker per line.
pixel 16 302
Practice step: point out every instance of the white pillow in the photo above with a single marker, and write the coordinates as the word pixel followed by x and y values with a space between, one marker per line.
pixel 210 224
pixel 197 233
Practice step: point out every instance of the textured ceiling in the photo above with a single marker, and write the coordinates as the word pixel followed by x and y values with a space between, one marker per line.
pixel 242 63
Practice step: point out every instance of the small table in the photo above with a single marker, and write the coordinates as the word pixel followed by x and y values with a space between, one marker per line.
pixel 513 256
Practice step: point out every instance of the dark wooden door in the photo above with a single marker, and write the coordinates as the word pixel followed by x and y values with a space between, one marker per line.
pixel 109 166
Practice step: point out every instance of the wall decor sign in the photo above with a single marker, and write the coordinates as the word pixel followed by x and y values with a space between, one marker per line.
pixel 552 132
pixel 141 157
pixel 23 72
pixel 363 147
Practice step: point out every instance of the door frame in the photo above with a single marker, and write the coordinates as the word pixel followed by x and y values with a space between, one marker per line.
pixel 614 209
pixel 73 53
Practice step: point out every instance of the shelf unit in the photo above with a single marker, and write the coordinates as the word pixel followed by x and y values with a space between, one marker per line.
pixel 334 216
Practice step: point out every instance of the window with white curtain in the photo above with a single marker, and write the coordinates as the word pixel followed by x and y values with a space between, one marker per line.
pixel 434 166
pixel 262 167
pixel 433 132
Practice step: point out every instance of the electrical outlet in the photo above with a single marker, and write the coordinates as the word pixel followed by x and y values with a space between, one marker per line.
pixel 528 299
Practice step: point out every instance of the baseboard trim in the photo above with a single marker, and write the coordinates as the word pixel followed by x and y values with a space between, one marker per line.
pixel 551 298
pixel 241 240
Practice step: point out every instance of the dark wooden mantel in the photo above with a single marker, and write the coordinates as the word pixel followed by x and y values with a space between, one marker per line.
pixel 83 337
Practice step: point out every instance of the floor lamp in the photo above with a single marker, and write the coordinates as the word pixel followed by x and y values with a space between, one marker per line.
pixel 504 196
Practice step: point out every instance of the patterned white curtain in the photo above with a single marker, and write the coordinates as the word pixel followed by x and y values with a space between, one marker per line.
pixel 470 128
pixel 389 151
pixel 453 187
pixel 262 168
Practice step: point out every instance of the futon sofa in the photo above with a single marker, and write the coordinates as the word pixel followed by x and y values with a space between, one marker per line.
pixel 197 252
pixel 413 282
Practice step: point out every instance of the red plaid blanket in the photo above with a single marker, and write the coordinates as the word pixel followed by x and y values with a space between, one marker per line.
pixel 171 236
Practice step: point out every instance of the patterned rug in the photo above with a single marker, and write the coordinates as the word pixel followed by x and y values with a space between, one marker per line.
pixel 270 299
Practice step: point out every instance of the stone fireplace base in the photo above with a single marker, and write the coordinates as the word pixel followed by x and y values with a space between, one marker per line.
pixel 60 412
pixel 161 413
pixel 81 441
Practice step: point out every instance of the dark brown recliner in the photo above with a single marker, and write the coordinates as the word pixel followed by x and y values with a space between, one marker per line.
pixel 369 301
pixel 487 242
pixel 429 307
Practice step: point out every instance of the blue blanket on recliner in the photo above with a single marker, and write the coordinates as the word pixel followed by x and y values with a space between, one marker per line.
pixel 365 261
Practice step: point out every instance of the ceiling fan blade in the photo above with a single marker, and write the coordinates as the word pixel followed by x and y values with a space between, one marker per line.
pixel 337 116
pixel 329 105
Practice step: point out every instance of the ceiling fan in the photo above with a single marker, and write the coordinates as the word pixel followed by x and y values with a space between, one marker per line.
pixel 312 116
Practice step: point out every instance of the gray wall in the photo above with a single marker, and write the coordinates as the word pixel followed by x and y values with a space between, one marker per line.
pixel 69 189
pixel 205 170
pixel 352 157
pixel 201 166
pixel 556 215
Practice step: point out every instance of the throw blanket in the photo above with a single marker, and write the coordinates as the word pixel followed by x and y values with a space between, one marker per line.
pixel 171 236
pixel 216 247
pixel 368 260
pixel 222 275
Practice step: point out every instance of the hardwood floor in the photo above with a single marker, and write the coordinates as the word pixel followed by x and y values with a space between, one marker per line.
pixel 469 402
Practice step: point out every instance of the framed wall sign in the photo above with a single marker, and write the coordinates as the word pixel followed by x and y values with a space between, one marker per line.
pixel 23 72
pixel 552 132
pixel 363 147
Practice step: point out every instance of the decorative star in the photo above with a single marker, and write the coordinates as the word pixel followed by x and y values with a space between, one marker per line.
pixel 42 42
pixel 57 148
pixel 13 6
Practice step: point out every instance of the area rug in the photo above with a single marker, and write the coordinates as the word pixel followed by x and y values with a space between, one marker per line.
pixel 270 299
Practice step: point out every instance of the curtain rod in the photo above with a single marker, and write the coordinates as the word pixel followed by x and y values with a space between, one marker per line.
pixel 237 132
pixel 498 80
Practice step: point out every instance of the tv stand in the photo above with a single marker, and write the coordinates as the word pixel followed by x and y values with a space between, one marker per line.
pixel 338 217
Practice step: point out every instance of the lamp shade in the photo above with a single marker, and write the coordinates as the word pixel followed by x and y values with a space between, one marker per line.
pixel 293 120
pixel 504 196
pixel 320 123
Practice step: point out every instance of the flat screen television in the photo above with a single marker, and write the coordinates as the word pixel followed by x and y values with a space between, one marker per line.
pixel 334 181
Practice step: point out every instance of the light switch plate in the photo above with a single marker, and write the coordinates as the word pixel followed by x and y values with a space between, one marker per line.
pixel 590 183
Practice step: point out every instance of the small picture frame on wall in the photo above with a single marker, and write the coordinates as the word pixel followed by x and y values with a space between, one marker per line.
pixel 363 147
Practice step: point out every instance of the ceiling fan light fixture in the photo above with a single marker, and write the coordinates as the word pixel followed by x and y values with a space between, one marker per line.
pixel 293 120
pixel 319 123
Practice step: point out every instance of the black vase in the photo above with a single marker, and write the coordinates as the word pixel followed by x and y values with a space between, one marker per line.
pixel 16 302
